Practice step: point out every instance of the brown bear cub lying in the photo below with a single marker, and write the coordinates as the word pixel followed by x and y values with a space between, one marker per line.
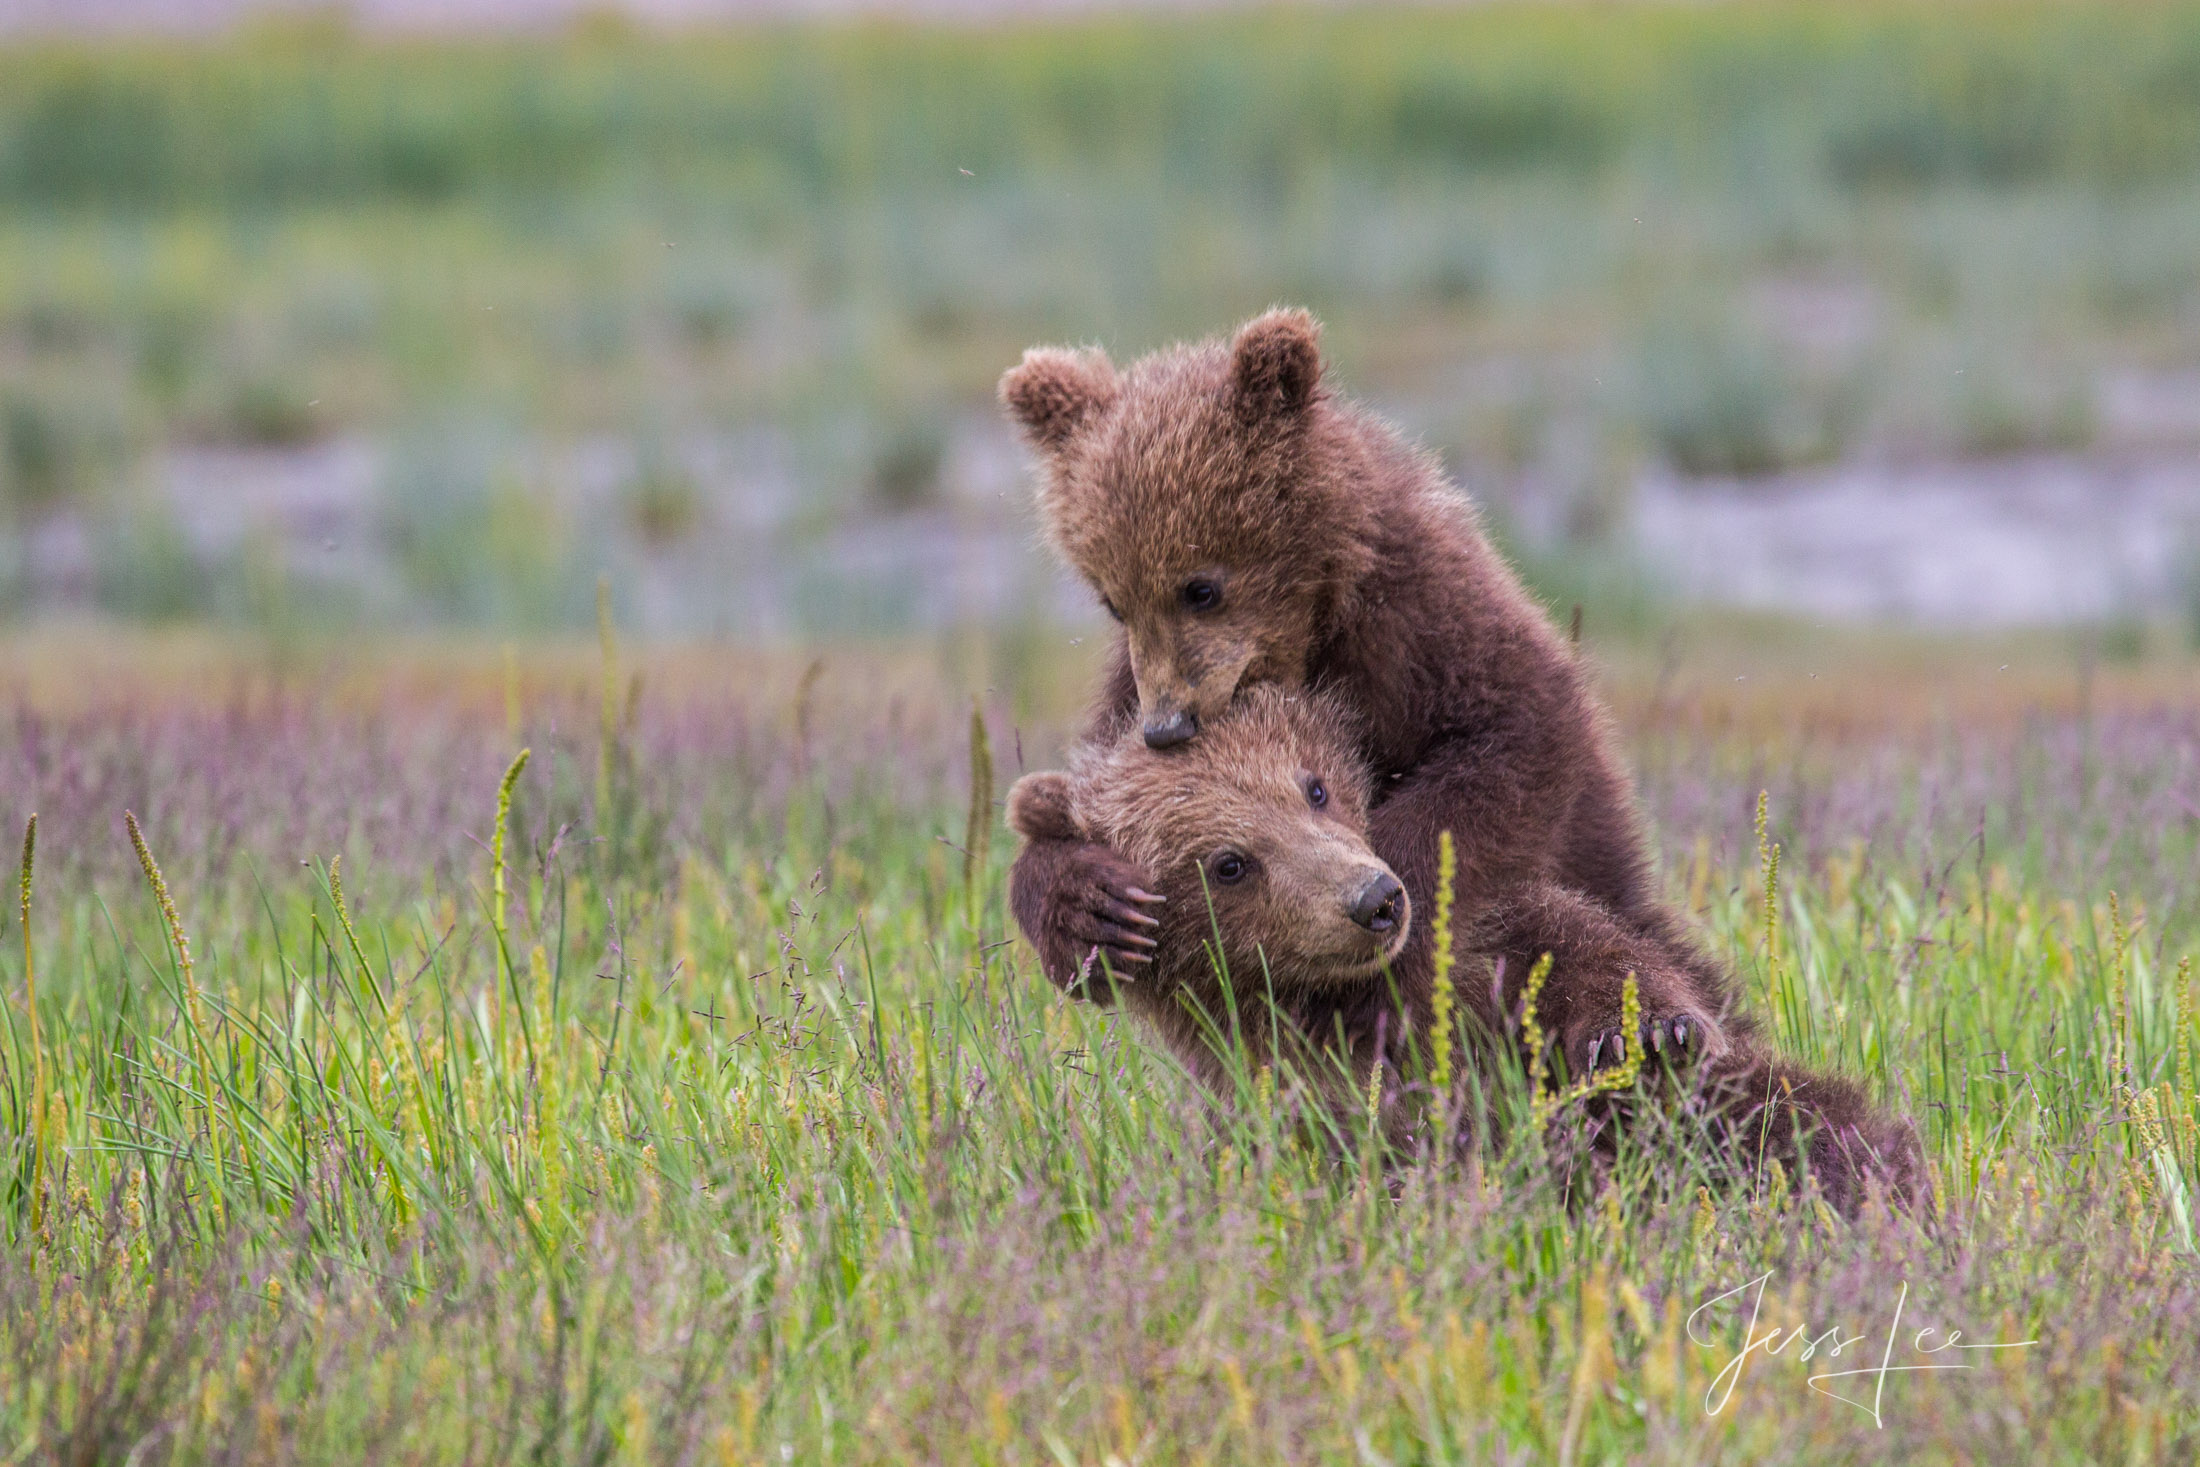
pixel 1249 528
pixel 1284 931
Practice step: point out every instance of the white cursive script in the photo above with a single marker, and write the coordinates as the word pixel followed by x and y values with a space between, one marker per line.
pixel 1831 1342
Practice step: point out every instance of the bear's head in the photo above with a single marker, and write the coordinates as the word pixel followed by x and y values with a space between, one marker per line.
pixel 1209 495
pixel 1265 817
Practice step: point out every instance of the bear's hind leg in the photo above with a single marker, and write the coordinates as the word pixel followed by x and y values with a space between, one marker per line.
pixel 1761 1108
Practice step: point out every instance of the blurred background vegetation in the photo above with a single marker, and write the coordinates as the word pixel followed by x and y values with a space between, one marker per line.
pixel 310 328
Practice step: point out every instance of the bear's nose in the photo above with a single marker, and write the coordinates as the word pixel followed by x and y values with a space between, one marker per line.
pixel 1171 729
pixel 1376 909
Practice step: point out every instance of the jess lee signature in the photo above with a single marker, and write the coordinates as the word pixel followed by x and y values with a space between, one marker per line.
pixel 1831 1343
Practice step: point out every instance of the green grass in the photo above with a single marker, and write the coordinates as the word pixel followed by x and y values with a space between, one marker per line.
pixel 1887 91
pixel 739 1131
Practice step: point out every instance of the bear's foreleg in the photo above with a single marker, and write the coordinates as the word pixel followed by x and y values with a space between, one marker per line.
pixel 1080 902
pixel 1579 1003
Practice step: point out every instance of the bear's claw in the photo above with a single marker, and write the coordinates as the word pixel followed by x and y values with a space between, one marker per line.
pixel 1676 1037
pixel 1114 926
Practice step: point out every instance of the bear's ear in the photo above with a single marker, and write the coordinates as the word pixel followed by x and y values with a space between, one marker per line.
pixel 1275 365
pixel 1039 808
pixel 1052 391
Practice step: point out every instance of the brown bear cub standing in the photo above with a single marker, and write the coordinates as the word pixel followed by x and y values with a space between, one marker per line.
pixel 1248 528
pixel 1257 836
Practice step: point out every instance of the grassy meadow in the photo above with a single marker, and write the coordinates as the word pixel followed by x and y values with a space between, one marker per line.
pixel 713 1114
pixel 433 1029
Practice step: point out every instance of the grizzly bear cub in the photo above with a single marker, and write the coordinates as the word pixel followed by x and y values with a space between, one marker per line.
pixel 1257 835
pixel 1285 933
pixel 1246 527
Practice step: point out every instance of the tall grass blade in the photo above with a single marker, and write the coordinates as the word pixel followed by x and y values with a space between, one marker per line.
pixel 38 1046
pixel 978 824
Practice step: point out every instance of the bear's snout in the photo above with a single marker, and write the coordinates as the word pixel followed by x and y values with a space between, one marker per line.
pixel 1167 730
pixel 1376 907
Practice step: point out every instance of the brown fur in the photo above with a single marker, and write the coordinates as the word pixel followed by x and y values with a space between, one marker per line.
pixel 1347 564
pixel 1284 930
pixel 1275 962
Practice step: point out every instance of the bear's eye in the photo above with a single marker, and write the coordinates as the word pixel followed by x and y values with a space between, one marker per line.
pixel 1202 594
pixel 1110 605
pixel 1317 793
pixel 1229 868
